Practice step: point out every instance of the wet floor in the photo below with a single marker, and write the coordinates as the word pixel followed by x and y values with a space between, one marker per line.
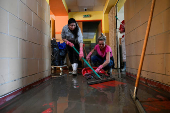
pixel 70 94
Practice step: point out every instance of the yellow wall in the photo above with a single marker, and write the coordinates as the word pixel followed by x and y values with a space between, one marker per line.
pixel 108 5
pixel 52 28
pixel 48 1
pixel 65 5
pixel 105 23
pixel 120 4
pixel 95 15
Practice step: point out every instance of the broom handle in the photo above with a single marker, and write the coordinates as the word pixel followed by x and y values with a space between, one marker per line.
pixel 86 55
pixel 87 63
pixel 144 49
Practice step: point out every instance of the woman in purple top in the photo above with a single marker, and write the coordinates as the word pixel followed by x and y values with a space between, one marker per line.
pixel 104 55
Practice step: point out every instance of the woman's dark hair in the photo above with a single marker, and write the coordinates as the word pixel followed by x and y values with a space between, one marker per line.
pixel 75 31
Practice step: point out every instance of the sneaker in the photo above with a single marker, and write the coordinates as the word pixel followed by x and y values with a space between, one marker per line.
pixel 74 72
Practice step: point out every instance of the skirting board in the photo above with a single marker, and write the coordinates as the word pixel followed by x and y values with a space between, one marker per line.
pixel 151 82
pixel 19 91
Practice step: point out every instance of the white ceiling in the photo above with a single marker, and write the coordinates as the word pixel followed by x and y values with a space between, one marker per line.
pixel 91 5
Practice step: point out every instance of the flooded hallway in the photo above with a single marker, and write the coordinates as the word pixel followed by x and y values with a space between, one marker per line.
pixel 84 56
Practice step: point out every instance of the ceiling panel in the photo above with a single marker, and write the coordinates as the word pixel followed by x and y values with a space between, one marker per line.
pixel 89 8
pixel 91 5
pixel 74 9
pixel 98 8
pixel 71 2
pixel 85 2
pixel 99 2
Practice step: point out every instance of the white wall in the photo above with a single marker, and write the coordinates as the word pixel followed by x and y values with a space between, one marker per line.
pixel 24 43
pixel 120 16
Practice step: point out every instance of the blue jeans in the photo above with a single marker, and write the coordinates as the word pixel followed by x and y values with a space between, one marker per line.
pixel 99 60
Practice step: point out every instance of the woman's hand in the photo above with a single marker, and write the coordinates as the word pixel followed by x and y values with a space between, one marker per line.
pixel 99 68
pixel 88 56
pixel 81 52
pixel 70 44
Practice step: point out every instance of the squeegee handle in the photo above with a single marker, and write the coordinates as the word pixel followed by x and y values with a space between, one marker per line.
pixel 87 63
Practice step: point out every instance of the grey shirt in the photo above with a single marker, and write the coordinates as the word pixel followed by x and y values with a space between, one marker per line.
pixel 66 34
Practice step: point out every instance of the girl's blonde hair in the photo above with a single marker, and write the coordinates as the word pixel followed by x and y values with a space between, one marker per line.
pixel 102 38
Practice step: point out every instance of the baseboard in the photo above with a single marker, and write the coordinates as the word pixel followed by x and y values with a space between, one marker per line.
pixel 151 82
pixel 19 91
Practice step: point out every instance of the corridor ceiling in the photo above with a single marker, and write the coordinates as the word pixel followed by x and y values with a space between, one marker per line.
pixel 58 9
pixel 80 5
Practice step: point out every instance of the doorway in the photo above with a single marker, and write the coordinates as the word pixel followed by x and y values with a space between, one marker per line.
pixel 91 30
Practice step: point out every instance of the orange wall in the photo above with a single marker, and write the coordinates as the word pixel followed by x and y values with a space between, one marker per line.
pixel 60 22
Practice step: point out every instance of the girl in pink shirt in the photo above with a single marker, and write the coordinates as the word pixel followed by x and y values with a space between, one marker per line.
pixel 104 56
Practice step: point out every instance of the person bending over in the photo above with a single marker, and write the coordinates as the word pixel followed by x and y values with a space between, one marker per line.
pixel 104 57
pixel 72 36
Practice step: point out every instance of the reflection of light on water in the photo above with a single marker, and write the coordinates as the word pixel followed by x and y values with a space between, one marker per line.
pixel 61 73
pixel 75 83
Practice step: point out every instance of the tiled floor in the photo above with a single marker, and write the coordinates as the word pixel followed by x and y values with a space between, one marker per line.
pixel 70 94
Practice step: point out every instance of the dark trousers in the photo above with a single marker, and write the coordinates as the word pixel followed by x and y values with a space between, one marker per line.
pixel 99 60
pixel 72 54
